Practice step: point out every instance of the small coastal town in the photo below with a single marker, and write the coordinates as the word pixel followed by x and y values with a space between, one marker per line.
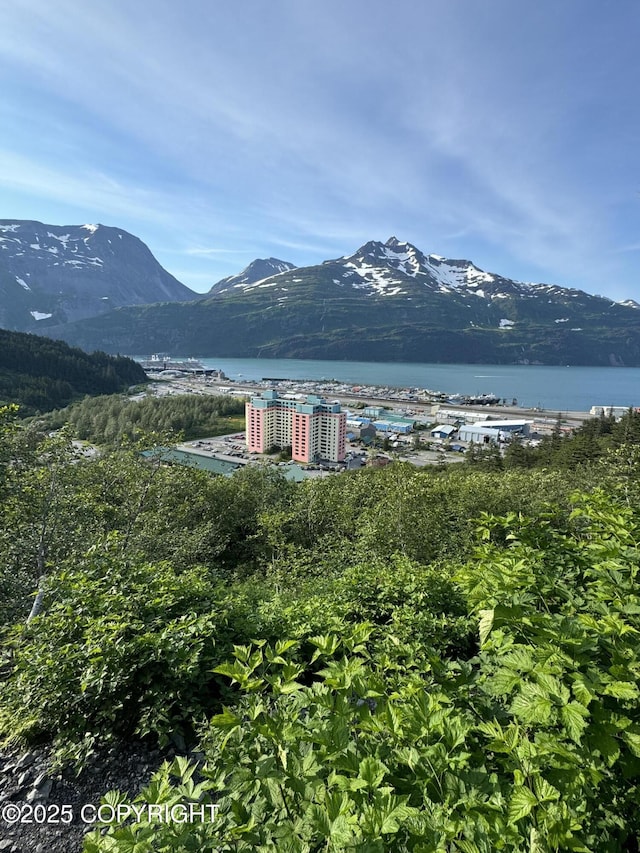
pixel 327 426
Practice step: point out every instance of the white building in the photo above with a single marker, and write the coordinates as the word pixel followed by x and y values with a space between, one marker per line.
pixel 478 434
pixel 443 431
pixel 515 426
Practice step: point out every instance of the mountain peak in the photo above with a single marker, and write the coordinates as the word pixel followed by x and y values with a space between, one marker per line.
pixel 394 243
pixel 53 274
pixel 253 273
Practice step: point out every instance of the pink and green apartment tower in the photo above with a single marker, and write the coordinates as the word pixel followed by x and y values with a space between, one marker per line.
pixel 315 429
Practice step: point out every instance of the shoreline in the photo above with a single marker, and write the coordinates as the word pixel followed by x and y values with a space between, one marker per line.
pixel 397 398
pixel 533 387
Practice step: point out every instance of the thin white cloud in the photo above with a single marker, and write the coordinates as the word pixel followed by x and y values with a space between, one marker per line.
pixel 202 252
pixel 92 190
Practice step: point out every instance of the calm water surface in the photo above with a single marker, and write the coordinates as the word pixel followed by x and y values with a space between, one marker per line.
pixel 555 388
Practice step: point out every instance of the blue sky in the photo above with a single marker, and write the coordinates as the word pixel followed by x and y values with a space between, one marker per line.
pixel 502 131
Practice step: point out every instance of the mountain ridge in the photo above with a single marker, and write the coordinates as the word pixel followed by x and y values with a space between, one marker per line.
pixel 385 302
pixel 52 274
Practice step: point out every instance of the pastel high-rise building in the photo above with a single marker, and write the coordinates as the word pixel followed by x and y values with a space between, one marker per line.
pixel 314 429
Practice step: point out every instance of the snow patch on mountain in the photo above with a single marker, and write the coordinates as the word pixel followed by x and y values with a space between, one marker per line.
pixel 377 280
pixel 457 274
pixel 62 238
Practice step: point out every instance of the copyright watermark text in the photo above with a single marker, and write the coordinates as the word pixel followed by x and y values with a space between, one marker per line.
pixel 12 813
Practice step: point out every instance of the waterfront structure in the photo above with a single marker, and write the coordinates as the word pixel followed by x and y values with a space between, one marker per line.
pixel 159 362
pixel 521 427
pixel 314 428
pixel 443 431
pixel 478 434
pixel 609 411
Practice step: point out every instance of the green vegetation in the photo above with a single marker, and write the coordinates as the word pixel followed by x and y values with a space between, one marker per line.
pixel 41 374
pixel 386 660
pixel 106 420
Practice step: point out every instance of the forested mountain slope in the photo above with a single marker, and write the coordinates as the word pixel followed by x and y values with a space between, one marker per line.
pixel 41 374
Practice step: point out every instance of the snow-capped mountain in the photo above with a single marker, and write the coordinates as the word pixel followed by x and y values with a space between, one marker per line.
pixel 253 274
pixel 399 269
pixel 384 268
pixel 52 274
pixel 385 302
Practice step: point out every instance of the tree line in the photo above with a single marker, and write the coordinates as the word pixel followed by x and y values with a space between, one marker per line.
pixel 107 419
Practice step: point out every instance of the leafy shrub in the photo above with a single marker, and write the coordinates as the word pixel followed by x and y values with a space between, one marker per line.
pixel 122 646
pixel 532 745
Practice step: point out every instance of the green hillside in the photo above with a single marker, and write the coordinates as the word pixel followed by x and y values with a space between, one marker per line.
pixel 322 320
pixel 40 374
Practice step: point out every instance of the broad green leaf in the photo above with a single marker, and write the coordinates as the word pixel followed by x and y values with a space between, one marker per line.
pixel 523 800
pixel 544 791
pixel 573 716
pixel 341 832
pixel 283 646
pixel 622 690
pixel 581 691
pixel 372 772
pixel 633 741
pixel 226 720
pixel 531 707
pixel 319 819
pixel 485 625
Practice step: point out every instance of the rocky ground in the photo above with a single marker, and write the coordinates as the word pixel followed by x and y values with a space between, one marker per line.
pixel 27 781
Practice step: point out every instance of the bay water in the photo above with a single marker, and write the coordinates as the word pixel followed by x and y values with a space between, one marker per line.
pixel 553 388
